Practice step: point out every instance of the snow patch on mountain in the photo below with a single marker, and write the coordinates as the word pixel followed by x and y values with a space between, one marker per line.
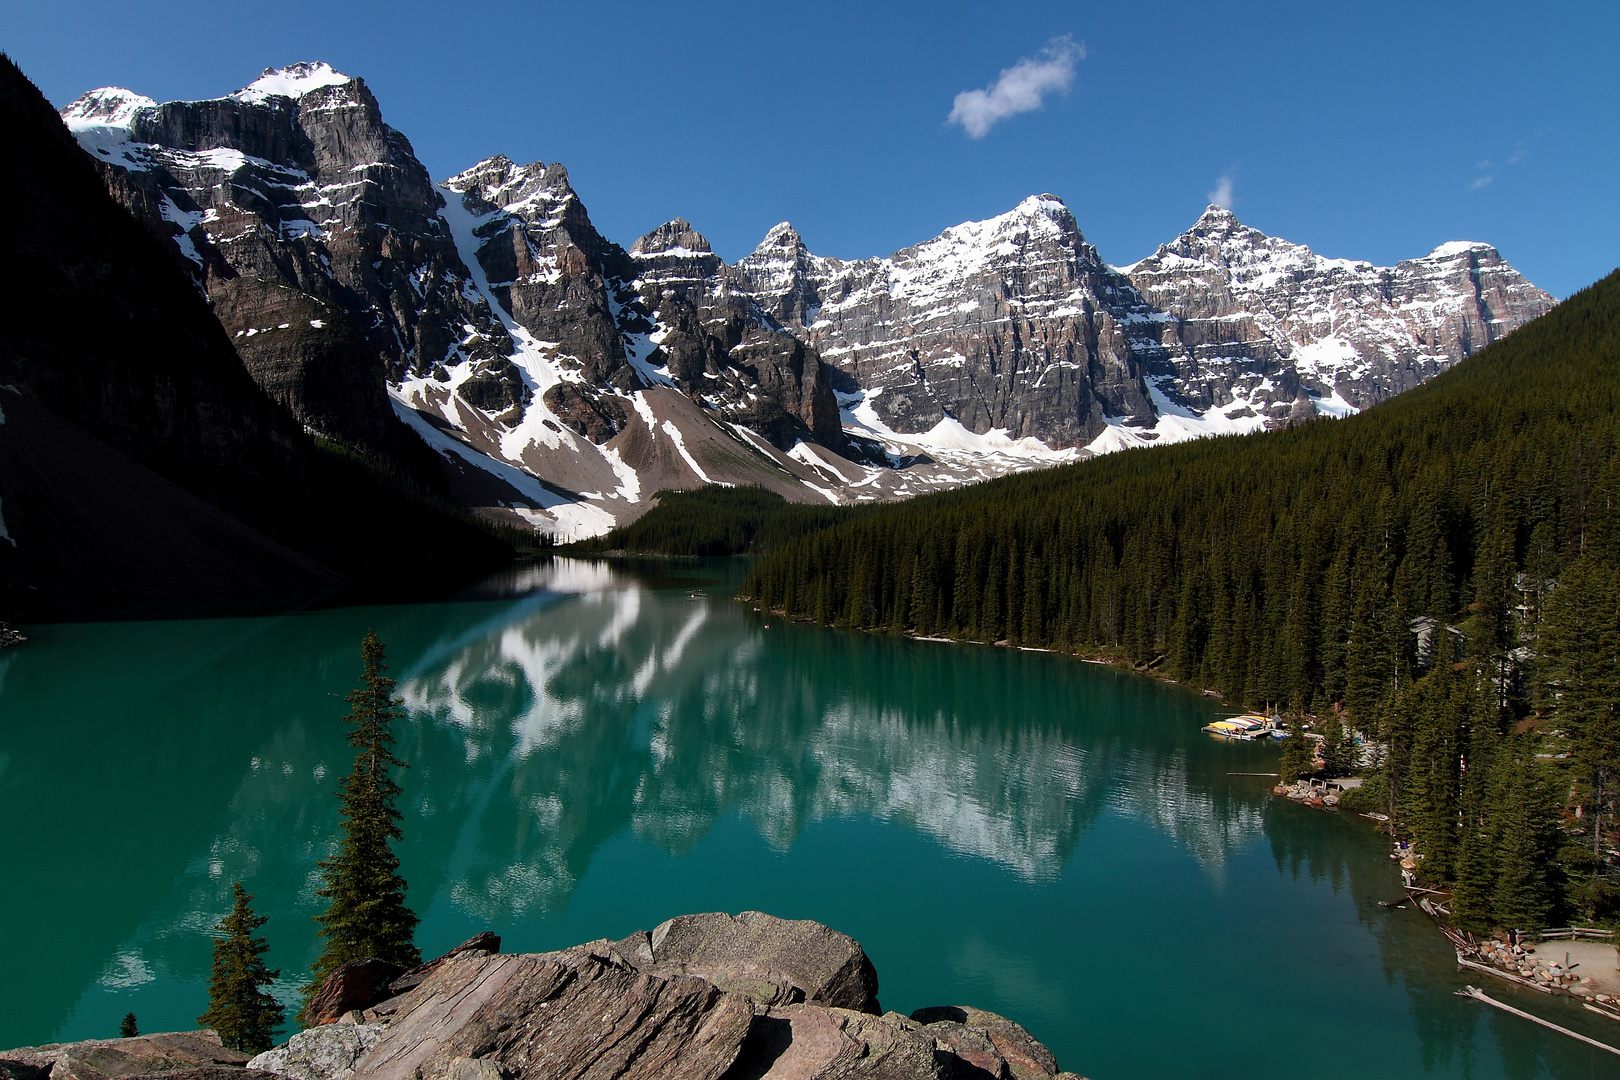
pixel 292 81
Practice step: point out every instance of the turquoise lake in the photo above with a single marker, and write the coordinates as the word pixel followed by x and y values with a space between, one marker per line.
pixel 594 748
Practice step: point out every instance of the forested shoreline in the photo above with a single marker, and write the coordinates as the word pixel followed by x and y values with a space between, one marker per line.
pixel 1438 573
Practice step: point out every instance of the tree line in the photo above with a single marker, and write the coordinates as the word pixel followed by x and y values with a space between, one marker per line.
pixel 1438 573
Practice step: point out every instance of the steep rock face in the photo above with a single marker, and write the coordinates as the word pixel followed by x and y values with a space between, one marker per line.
pixel 546 264
pixel 718 344
pixel 1253 323
pixel 1012 323
pixel 296 181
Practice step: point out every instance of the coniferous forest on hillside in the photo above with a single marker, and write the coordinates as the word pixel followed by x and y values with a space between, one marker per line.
pixel 1437 576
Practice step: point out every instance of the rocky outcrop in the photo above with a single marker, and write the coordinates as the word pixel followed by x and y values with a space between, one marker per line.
pixel 359 984
pixel 700 997
pixel 325 1052
pixel 182 1055
pixel 773 961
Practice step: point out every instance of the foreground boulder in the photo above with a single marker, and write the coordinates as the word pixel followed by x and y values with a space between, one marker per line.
pixel 773 961
pixel 178 1055
pixel 360 984
pixel 327 1052
pixel 700 997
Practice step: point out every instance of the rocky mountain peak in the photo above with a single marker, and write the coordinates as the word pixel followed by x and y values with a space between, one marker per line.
pixel 782 237
pixel 109 106
pixel 672 238
pixel 1462 249
pixel 534 192
pixel 292 81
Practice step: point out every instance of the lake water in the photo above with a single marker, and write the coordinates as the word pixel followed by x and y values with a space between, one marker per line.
pixel 594 749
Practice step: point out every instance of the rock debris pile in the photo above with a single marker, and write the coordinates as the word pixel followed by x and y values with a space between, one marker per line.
pixel 1548 974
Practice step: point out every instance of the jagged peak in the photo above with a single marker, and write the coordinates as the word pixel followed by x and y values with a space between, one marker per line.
pixel 1453 248
pixel 1043 203
pixel 782 234
pixel 1214 213
pixel 292 81
pixel 782 240
pixel 1042 211
pixel 107 106
pixel 494 170
pixel 675 236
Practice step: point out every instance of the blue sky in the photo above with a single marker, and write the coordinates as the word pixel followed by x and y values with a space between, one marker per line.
pixel 1371 130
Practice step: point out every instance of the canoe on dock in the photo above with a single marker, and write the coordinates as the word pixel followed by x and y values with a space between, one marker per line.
pixel 1245 727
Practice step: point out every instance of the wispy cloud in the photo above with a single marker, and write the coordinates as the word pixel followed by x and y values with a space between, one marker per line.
pixel 1019 89
pixel 1222 195
pixel 1487 169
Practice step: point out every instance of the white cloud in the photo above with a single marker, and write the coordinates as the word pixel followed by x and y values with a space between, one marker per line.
pixel 1222 195
pixel 1019 89
pixel 1479 181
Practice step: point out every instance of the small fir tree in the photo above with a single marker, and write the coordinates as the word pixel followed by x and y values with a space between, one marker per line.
pixel 246 1017
pixel 128 1028
pixel 366 914
pixel 1296 756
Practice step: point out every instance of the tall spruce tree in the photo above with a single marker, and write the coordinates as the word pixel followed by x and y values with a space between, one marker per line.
pixel 1527 877
pixel 246 1017
pixel 366 914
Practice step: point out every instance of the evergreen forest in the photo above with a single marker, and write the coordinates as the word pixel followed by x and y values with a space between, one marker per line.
pixel 711 521
pixel 1431 585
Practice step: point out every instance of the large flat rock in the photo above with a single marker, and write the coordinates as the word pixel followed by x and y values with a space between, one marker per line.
pixel 196 1055
pixel 774 961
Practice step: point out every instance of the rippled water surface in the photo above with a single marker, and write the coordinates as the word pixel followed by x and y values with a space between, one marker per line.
pixel 599 748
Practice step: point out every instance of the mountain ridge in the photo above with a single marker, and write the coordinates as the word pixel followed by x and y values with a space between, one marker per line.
pixel 505 323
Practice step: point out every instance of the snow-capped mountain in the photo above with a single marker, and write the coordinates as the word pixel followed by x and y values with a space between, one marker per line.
pixel 1260 331
pixel 1015 323
pixel 565 379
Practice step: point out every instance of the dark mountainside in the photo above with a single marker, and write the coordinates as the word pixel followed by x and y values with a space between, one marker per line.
pixel 138 460
pixel 1442 572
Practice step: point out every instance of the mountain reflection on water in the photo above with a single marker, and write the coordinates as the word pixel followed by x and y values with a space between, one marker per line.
pixel 595 747
pixel 692 710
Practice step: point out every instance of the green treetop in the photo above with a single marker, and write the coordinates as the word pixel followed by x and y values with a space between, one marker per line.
pixel 366 914
pixel 246 1017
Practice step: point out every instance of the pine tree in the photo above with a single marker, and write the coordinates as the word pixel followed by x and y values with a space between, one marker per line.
pixel 1526 886
pixel 246 1017
pixel 1296 756
pixel 366 914
pixel 128 1027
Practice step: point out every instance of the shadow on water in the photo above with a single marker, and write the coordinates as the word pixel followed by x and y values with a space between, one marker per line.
pixel 594 747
